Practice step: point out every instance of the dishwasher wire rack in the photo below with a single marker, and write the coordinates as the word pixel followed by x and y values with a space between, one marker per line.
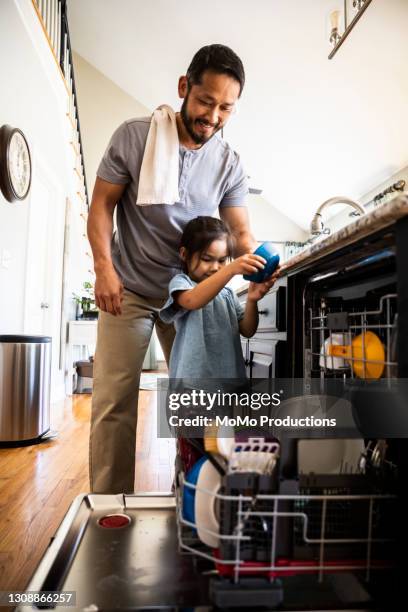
pixel 315 521
pixel 328 316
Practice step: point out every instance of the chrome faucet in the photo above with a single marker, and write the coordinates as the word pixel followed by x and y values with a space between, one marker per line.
pixel 317 225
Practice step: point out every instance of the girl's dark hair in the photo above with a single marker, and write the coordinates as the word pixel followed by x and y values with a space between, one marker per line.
pixel 219 59
pixel 200 232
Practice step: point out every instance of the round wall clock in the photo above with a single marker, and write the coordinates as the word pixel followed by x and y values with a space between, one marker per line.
pixel 15 164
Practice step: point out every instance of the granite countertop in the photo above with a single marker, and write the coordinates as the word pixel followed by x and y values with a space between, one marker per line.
pixel 380 217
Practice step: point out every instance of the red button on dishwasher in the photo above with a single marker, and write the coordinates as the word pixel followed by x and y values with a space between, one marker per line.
pixel 113 521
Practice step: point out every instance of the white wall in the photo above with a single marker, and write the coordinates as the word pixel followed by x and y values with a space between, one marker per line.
pixel 269 223
pixel 336 220
pixel 103 106
pixel 29 103
pixel 307 127
pixel 35 100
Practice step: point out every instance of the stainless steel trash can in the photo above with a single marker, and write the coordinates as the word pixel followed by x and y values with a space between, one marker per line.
pixel 25 376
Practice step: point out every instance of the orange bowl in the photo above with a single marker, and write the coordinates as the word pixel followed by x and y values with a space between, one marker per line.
pixel 366 347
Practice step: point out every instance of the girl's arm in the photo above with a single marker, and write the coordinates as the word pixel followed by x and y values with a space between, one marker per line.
pixel 204 292
pixel 249 323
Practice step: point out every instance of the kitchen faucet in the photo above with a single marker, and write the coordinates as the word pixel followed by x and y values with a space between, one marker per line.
pixel 317 225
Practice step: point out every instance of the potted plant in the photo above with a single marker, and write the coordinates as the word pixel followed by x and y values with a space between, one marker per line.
pixel 86 302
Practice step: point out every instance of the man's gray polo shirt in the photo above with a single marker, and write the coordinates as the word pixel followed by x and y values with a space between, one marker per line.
pixel 145 245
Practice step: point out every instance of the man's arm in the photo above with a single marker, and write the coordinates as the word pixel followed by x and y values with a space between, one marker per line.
pixel 108 287
pixel 237 219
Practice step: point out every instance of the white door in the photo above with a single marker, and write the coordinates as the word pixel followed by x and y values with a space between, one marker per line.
pixel 37 290
pixel 43 286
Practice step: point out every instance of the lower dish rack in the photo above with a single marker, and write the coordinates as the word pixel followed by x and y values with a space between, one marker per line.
pixel 271 529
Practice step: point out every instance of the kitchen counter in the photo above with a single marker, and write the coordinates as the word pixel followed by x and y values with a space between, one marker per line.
pixel 377 219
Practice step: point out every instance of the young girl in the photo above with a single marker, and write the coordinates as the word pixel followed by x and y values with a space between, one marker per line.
pixel 207 315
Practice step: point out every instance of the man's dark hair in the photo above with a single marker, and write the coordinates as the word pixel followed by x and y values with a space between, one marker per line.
pixel 219 59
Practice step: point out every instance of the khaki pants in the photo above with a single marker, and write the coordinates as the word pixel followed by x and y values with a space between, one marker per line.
pixel 122 343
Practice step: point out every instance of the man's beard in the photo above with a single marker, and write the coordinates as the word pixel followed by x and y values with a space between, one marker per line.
pixel 189 125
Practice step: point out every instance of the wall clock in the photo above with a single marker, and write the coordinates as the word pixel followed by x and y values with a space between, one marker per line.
pixel 15 164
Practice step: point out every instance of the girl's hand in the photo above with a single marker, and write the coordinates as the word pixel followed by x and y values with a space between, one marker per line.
pixel 257 291
pixel 247 264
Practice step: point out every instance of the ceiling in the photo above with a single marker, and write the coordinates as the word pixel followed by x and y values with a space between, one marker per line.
pixel 307 128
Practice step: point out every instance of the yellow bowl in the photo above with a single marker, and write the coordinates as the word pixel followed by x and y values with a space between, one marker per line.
pixel 366 346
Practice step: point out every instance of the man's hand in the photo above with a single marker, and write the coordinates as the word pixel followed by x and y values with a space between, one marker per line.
pixel 109 291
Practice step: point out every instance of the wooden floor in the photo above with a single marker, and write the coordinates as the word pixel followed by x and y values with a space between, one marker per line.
pixel 39 482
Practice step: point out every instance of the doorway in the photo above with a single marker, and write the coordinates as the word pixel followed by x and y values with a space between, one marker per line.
pixel 43 281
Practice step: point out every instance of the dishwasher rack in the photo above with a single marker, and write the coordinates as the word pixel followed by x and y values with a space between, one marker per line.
pixel 347 319
pixel 316 524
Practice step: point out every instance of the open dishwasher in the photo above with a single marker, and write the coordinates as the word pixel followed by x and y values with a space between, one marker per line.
pixel 278 541
pixel 287 540
pixel 312 545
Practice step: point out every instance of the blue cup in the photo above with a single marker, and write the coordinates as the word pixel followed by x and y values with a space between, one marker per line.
pixel 268 252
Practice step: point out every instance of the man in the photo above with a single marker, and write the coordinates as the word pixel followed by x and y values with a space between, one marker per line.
pixel 133 270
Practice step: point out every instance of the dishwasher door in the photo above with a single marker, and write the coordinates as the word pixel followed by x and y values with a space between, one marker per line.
pixel 121 552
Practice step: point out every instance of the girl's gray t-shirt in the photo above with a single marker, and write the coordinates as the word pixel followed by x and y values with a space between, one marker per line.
pixel 145 245
pixel 207 343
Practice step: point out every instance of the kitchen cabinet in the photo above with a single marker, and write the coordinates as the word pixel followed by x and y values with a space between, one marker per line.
pixel 267 358
pixel 260 365
pixel 272 310
pixel 265 352
pixel 245 352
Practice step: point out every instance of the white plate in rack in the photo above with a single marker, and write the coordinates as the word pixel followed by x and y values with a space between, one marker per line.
pixel 208 485
pixel 329 362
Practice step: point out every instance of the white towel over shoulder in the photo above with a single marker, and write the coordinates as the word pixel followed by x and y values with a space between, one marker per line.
pixel 159 174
